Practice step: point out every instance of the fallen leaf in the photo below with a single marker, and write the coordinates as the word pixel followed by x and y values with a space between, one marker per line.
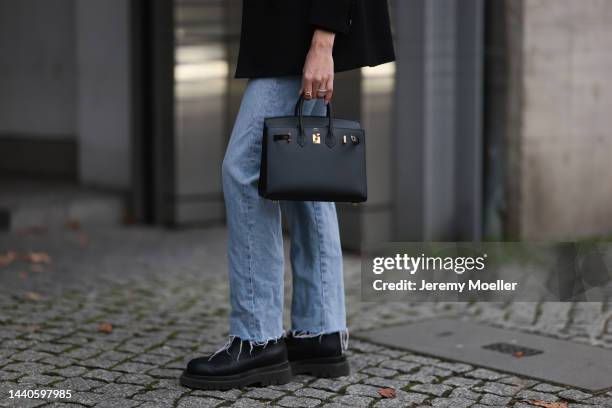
pixel 73 224
pixel 105 327
pixel 387 392
pixel 8 258
pixel 37 257
pixel 518 354
pixel 546 404
pixel 83 239
pixel 28 328
pixel 33 296
pixel 129 219
pixel 37 268
pixel 34 229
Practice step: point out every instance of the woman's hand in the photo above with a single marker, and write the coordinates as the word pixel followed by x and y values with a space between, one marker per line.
pixel 318 72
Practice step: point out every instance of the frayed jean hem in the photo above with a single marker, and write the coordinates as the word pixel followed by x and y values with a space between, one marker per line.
pixel 306 334
pixel 252 343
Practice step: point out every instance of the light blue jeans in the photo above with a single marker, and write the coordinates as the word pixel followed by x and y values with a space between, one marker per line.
pixel 255 242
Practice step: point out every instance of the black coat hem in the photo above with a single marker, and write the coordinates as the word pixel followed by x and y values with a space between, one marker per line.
pixel 284 73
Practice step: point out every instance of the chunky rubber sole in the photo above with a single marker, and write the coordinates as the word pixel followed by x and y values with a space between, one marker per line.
pixel 329 367
pixel 270 375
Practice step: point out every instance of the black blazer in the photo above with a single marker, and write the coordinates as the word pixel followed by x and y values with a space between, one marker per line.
pixel 276 34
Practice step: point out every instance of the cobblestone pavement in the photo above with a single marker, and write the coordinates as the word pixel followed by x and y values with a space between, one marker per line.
pixel 165 294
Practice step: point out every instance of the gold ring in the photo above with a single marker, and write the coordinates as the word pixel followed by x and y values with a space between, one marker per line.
pixel 322 90
pixel 307 94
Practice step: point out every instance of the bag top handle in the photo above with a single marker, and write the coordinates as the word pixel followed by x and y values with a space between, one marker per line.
pixel 298 111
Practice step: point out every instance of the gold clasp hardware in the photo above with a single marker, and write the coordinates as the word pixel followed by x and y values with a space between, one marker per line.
pixel 316 138
pixel 285 136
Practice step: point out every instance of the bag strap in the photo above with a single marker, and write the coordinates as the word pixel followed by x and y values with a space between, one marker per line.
pixel 299 112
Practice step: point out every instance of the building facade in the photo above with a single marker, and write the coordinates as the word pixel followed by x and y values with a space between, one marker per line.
pixel 491 124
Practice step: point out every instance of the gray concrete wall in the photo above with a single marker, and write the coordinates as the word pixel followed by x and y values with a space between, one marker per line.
pixel 104 102
pixel 563 132
pixel 64 81
pixel 37 69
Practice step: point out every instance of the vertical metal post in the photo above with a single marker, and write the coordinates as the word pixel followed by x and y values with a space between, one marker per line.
pixel 409 135
pixel 161 62
pixel 139 208
pixel 469 120
pixel 438 120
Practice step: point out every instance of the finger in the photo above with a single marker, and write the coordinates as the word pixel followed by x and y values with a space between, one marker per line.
pixel 317 84
pixel 322 89
pixel 307 86
pixel 330 90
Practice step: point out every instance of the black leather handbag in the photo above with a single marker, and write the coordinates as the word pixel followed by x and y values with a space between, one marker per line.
pixel 313 158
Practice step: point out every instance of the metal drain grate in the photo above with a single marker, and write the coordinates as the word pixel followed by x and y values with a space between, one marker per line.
pixel 513 349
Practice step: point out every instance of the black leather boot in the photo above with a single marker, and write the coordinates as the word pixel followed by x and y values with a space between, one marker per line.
pixel 239 366
pixel 320 356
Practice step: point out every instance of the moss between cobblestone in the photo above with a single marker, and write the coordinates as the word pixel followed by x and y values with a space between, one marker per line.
pixel 187 304
pixel 410 385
